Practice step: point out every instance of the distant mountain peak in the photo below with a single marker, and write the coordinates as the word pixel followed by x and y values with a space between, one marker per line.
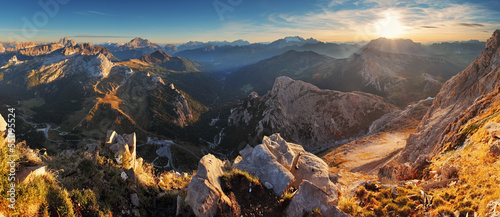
pixel 138 42
pixel 294 38
pixel 67 42
pixel 405 46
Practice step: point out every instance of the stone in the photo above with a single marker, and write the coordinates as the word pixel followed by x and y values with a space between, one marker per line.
pixel 92 148
pixel 263 164
pixel 280 149
pixel 25 174
pixel 131 175
pixel 309 167
pixel 204 193
pixel 268 185
pixel 495 149
pixel 134 199
pixel 120 145
pixel 309 197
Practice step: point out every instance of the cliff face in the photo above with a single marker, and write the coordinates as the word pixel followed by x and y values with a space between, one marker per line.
pixel 310 116
pixel 465 96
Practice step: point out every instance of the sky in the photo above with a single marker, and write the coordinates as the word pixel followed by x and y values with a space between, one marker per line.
pixel 180 21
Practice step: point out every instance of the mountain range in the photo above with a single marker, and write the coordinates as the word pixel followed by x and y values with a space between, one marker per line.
pixel 398 124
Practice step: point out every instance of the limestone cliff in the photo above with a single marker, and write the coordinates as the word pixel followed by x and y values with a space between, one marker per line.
pixel 467 95
pixel 310 116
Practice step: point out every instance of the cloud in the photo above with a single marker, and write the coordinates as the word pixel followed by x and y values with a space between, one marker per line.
pixel 357 20
pixel 87 13
pixel 473 25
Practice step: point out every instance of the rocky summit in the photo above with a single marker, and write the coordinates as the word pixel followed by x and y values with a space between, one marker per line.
pixel 313 117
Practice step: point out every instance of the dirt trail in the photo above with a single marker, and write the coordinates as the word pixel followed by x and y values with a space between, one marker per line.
pixel 358 155
pixel 361 159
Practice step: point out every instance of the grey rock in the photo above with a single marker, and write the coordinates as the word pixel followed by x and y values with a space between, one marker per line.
pixel 92 148
pixel 204 193
pixel 309 197
pixel 134 199
pixel 268 185
pixel 263 164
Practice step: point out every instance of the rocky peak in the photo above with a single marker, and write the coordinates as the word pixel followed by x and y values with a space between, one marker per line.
pixel 2 49
pixel 87 49
pixel 305 114
pixel 140 43
pixel 66 42
pixel 461 98
pixel 25 45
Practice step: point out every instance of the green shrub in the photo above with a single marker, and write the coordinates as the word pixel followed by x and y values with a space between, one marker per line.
pixel 87 167
pixel 59 202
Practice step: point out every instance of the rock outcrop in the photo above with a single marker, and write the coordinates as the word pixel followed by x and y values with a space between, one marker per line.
pixel 308 198
pixel 259 161
pixel 204 193
pixel 307 115
pixel 122 144
pixel 465 96
pixel 182 110
pixel 279 165
pixel 2 49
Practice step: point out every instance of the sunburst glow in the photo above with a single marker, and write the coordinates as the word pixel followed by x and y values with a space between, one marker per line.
pixel 390 26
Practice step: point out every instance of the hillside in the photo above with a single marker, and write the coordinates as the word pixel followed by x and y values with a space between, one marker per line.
pixel 401 76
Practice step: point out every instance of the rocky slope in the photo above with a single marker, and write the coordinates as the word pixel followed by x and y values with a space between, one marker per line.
pixel 79 90
pixel 2 48
pixel 465 96
pixel 307 115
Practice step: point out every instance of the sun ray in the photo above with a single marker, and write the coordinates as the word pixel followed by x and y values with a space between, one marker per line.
pixel 390 26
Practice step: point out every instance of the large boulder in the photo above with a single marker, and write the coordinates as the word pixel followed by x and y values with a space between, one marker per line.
pixel 121 144
pixel 205 194
pixel 284 164
pixel 310 197
pixel 311 168
pixel 260 162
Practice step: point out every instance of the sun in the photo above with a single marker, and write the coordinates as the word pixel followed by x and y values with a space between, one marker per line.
pixel 390 26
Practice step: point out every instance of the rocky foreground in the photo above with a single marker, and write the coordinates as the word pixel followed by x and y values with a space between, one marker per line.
pixel 281 167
